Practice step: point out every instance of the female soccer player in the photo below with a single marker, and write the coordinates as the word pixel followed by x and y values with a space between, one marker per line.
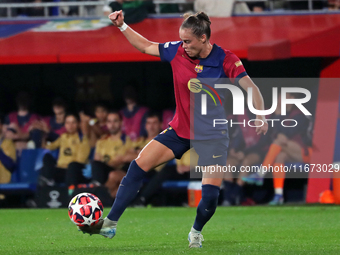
pixel 191 58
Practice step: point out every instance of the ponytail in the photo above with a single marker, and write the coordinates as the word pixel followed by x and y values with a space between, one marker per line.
pixel 199 23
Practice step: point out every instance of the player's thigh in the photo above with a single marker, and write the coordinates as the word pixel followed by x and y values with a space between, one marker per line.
pixel 154 154
pixel 213 174
pixel 294 151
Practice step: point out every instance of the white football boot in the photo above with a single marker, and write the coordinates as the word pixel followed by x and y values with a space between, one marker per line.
pixel 106 228
pixel 109 228
pixel 195 240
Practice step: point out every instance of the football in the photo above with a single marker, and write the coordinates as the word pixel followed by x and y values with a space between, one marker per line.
pixel 85 209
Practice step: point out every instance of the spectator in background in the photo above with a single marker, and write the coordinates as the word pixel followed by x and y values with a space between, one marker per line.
pixel 304 5
pixel 99 123
pixel 74 150
pixel 215 8
pixel 7 157
pixel 221 8
pixel 134 10
pixel 289 144
pixel 333 5
pixel 153 127
pixel 53 127
pixel 168 115
pixel 256 6
pixel 163 172
pixel 112 155
pixel 19 123
pixel 36 11
pixel 188 160
pixel 133 115
pixel 246 148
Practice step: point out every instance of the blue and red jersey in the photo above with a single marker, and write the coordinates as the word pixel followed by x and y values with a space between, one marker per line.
pixel 188 122
pixel 24 122
pixel 57 128
pixel 134 122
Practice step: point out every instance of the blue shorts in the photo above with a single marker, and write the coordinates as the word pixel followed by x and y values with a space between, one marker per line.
pixel 177 144
pixel 210 152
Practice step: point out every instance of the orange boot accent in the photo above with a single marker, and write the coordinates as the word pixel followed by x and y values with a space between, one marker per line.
pixel 272 153
pixel 279 177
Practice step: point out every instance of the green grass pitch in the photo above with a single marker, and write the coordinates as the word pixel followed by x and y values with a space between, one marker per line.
pixel 234 230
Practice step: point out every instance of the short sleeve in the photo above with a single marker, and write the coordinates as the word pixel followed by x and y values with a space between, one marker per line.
pixel 98 147
pixel 128 144
pixel 83 150
pixel 54 145
pixel 9 149
pixel 167 51
pixel 233 67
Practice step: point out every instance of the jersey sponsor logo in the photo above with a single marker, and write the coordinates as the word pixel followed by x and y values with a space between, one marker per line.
pixel 196 86
pixel 198 68
pixel 238 63
pixel 166 45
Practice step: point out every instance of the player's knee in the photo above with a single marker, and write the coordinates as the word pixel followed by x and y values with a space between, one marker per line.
pixel 210 196
pixel 281 139
pixel 143 164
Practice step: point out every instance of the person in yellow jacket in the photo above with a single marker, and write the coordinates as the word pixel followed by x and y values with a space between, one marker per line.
pixel 7 157
pixel 163 172
pixel 74 151
pixel 113 153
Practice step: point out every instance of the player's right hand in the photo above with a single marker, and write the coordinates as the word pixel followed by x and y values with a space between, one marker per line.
pixel 117 18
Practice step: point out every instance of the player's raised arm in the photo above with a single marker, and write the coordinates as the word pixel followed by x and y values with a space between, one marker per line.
pixel 138 41
pixel 246 83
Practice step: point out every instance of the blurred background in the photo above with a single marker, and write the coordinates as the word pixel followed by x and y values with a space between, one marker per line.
pixel 78 102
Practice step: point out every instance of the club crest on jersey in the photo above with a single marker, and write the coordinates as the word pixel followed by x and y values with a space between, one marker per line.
pixel 198 68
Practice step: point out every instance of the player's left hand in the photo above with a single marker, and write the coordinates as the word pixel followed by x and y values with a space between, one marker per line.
pixel 261 129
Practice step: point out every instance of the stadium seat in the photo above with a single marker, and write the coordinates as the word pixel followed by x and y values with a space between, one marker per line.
pixel 175 184
pixel 24 178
